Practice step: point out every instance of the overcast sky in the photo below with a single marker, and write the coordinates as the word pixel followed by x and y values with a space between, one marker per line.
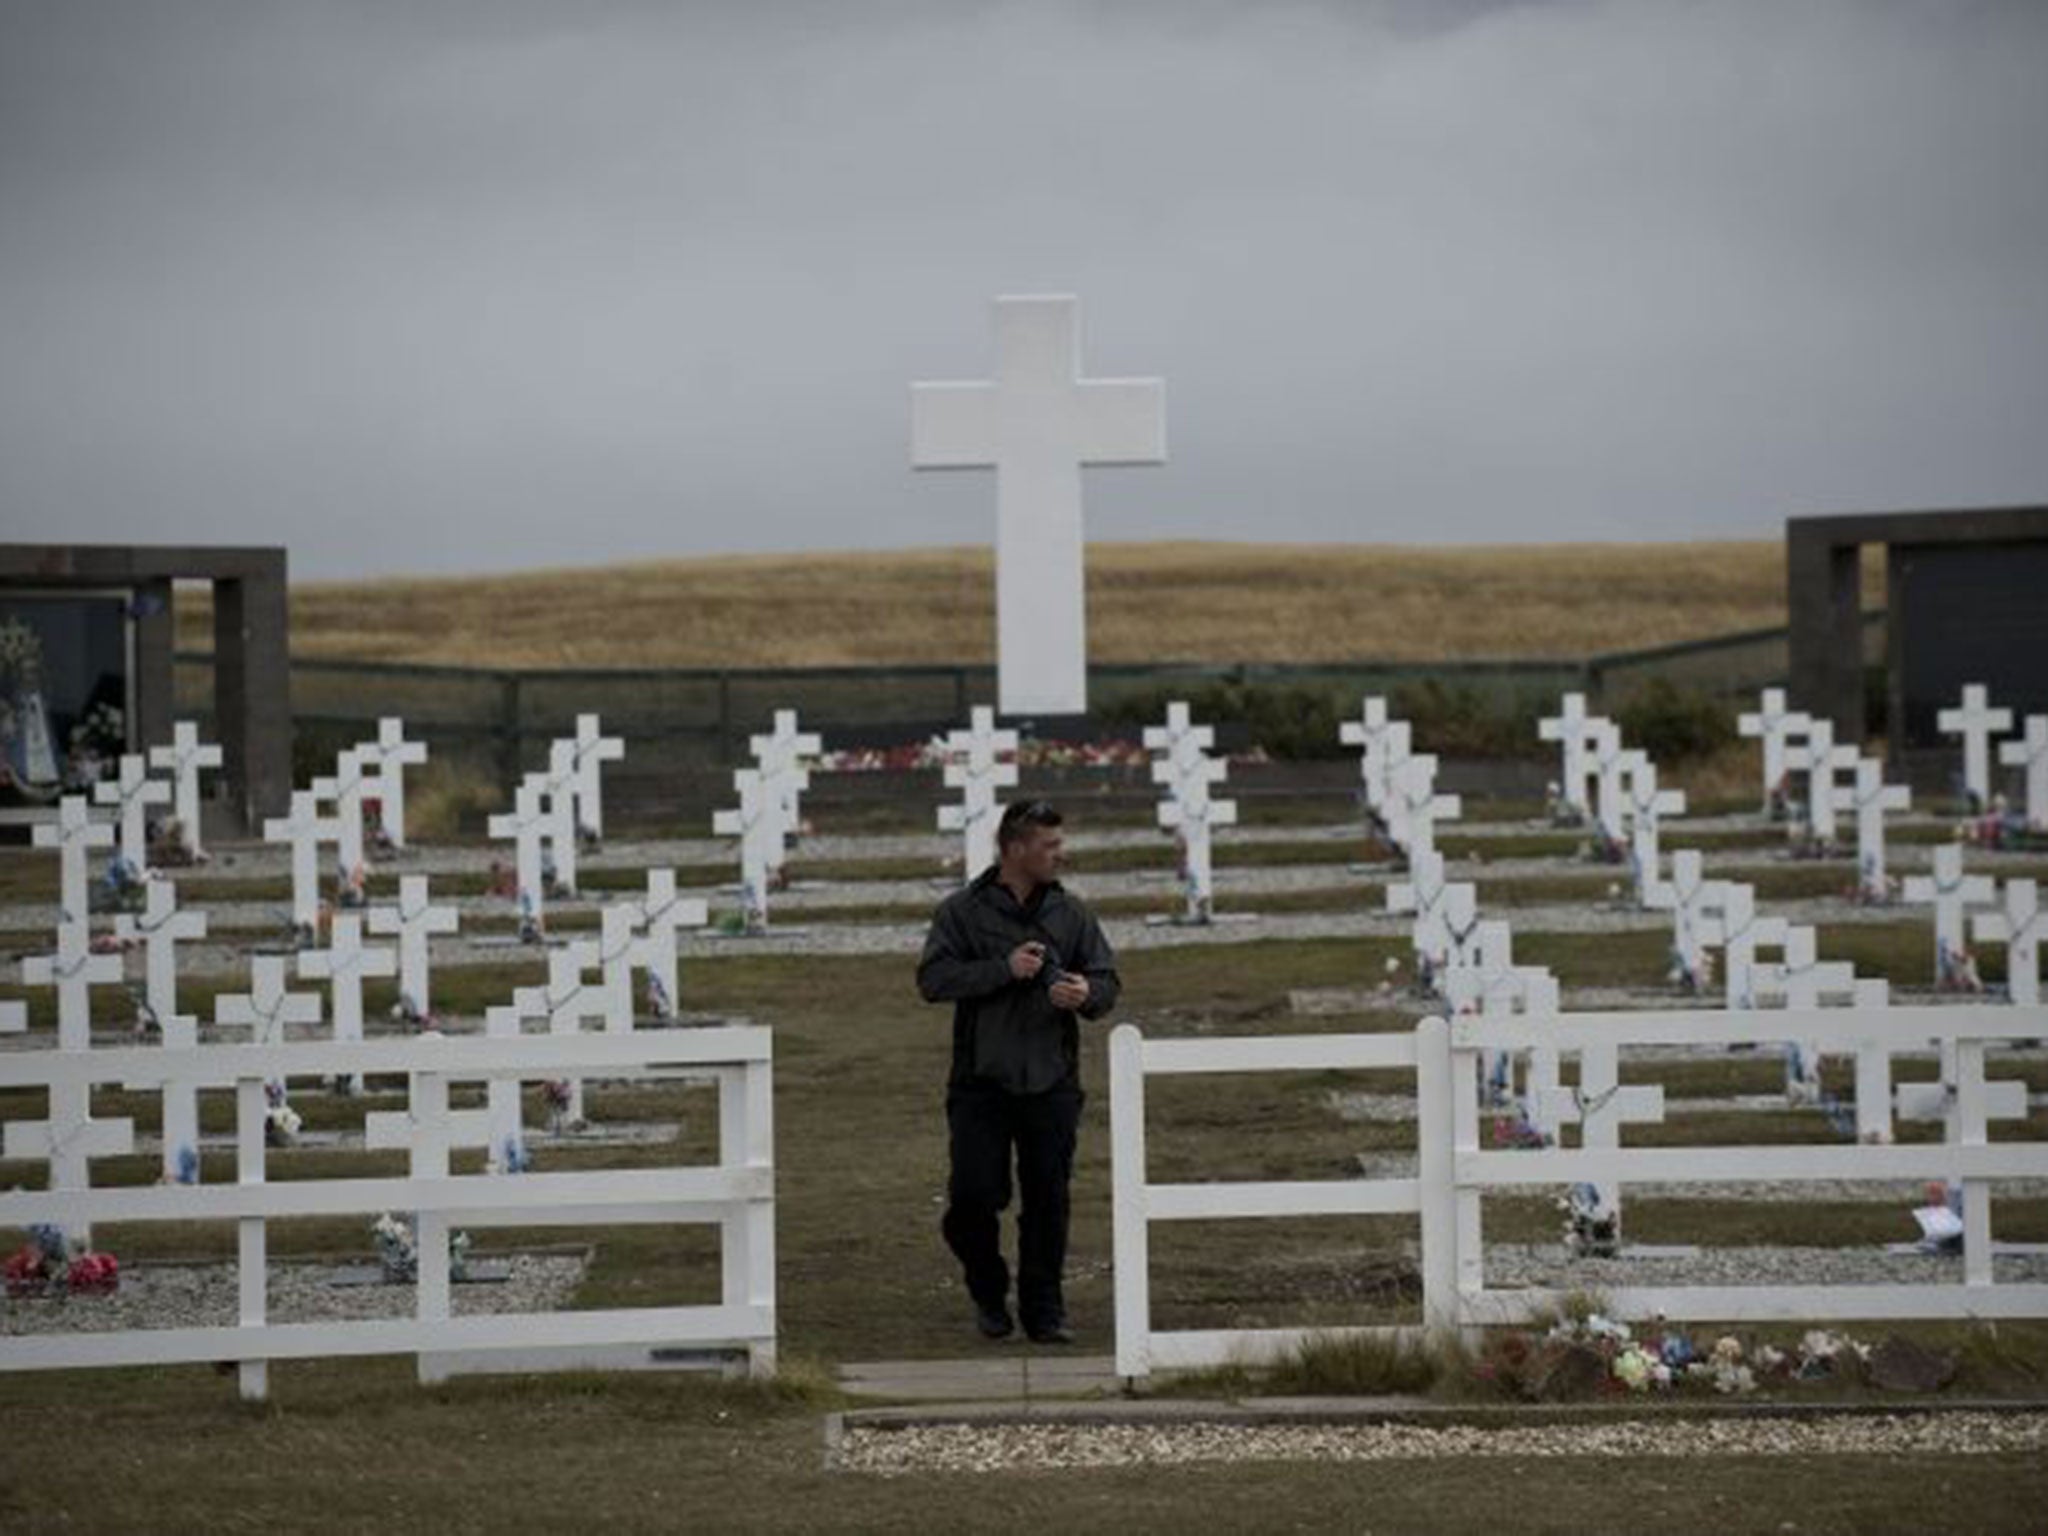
pixel 483 284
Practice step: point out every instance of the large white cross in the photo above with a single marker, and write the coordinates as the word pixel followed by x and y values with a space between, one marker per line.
pixel 1413 805
pixel 753 823
pixel 74 970
pixel 1647 806
pixel 661 914
pixel 1951 892
pixel 343 965
pixel 2020 926
pixel 779 756
pixel 980 761
pixel 344 789
pixel 415 920
pixel 1688 896
pixel 1576 731
pixel 1822 761
pixel 184 758
pixel 132 793
pixel 1422 893
pixel 1036 424
pixel 565 1002
pixel 73 834
pixel 305 829
pixel 1738 930
pixel 1976 722
pixel 526 824
pixel 2030 753
pixel 1873 797
pixel 593 750
pixel 388 757
pixel 1777 727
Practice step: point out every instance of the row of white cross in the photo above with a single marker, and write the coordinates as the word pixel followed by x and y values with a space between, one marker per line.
pixel 332 810
pixel 1400 783
pixel 1612 786
pixel 1795 741
pixel 135 787
pixel 769 812
pixel 554 812
pixel 1189 811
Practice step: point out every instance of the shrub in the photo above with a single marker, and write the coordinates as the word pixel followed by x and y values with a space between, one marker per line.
pixel 1675 726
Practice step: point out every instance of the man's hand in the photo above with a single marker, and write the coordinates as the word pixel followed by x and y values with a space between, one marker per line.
pixel 1069 992
pixel 1026 960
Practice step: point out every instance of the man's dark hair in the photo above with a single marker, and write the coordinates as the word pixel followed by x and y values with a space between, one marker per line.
pixel 1019 816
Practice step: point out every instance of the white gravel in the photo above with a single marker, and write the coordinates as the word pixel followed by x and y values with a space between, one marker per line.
pixel 1057 1447
pixel 205 1296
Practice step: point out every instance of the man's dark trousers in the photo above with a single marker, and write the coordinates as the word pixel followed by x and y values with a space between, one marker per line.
pixel 985 1125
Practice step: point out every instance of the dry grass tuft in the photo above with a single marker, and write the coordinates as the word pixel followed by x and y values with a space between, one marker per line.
pixel 1146 603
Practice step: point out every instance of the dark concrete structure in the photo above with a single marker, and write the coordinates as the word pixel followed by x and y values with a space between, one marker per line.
pixel 251 647
pixel 1967 602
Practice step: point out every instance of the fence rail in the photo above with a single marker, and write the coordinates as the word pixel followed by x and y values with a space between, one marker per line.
pixel 737 1195
pixel 1454 1170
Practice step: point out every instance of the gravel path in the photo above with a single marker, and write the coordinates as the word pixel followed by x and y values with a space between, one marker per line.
pixel 1514 1265
pixel 1055 1447
pixel 205 1296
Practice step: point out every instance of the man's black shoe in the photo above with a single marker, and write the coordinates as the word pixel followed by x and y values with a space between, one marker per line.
pixel 1051 1333
pixel 994 1321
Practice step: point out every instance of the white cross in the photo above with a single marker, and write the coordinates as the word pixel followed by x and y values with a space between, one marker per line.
pixel 1976 722
pixel 1647 806
pixel 1371 731
pixel 2030 752
pixel 504 1108
pixel 1037 423
pixel 619 953
pixel 1576 731
pixel 73 834
pixel 1610 771
pixel 1192 814
pixel 2004 1099
pixel 561 785
pixel 779 756
pixel 1873 797
pixel 388 757
pixel 69 1138
pixel 660 915
pixel 427 1128
pixel 977 766
pixel 74 970
pixel 1601 1106
pixel 266 1008
pixel 1777 727
pixel 184 758
pixel 1822 761
pixel 1422 893
pixel 1180 739
pixel 1460 909
pixel 593 750
pixel 753 823
pixel 1414 805
pixel 2021 926
pixel 1495 986
pixel 160 929
pixel 1951 892
pixel 305 829
pixel 565 1002
pixel 1740 932
pixel 133 793
pixel 1689 896
pixel 1802 980
pixel 343 965
pixel 345 789
pixel 415 920
pixel 525 825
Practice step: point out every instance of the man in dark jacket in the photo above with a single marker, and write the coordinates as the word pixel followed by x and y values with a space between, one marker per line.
pixel 1018 958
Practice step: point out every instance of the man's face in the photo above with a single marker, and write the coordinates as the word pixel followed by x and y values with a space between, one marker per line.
pixel 1039 855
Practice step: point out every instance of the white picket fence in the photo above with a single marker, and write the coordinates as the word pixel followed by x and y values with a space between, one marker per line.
pixel 737 1194
pixel 1453 1169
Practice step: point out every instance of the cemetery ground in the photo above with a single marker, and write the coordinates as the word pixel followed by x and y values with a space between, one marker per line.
pixel 860 1067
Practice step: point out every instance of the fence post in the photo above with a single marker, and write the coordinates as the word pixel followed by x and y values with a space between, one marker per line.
pixel 1130 1256
pixel 252 1268
pixel 1436 1174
